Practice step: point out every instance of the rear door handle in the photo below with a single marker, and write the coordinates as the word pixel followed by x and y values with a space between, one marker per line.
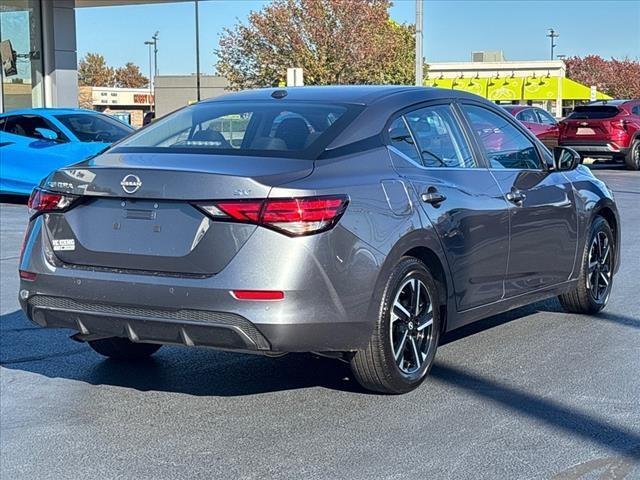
pixel 433 197
pixel 516 197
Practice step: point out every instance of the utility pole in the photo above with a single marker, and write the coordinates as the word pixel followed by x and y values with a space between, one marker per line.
pixel 155 54
pixel 150 74
pixel 552 36
pixel 419 56
pixel 197 53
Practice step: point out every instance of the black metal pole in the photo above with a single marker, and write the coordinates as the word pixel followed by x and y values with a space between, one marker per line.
pixel 197 53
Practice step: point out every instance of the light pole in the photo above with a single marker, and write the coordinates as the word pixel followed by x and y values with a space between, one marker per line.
pixel 153 72
pixel 552 36
pixel 419 56
pixel 197 53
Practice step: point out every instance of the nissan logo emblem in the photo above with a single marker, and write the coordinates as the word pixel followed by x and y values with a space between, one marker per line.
pixel 131 183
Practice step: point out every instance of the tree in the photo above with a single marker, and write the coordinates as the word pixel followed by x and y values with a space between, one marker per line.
pixel 617 78
pixel 333 41
pixel 130 76
pixel 94 72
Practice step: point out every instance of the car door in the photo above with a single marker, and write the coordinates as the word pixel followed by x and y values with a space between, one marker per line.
pixel 459 197
pixel 549 130
pixel 543 217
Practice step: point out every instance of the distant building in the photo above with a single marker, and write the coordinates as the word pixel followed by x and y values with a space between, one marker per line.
pixel 128 104
pixel 542 83
pixel 176 91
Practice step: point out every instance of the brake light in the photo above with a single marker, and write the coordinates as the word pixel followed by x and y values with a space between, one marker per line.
pixel 291 216
pixel 42 201
pixel 619 124
pixel 28 276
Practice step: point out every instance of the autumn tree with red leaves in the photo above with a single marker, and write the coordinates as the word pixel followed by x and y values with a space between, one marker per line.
pixel 333 41
pixel 617 78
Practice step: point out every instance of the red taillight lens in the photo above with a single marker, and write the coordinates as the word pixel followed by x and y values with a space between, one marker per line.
pixel 619 124
pixel 42 201
pixel 291 216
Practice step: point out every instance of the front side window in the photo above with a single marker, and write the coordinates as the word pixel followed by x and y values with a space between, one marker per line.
pixel 504 144
pixel 26 125
pixel 239 127
pixel 94 127
pixel 440 140
pixel 545 117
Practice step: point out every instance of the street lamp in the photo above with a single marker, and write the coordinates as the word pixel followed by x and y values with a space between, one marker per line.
pixel 552 36
pixel 153 71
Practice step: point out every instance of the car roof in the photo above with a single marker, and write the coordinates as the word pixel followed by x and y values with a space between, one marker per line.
pixel 356 94
pixel 615 103
pixel 49 111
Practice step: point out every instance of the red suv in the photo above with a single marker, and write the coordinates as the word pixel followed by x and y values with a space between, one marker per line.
pixel 609 129
pixel 539 121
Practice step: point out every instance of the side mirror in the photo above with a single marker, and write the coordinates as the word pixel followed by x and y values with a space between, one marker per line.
pixel 47 134
pixel 565 158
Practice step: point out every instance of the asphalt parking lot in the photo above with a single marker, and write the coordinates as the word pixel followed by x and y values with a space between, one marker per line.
pixel 534 393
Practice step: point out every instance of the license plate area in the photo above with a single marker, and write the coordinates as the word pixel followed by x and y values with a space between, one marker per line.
pixel 585 131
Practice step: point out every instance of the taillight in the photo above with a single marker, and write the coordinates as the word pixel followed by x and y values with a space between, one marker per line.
pixel 291 216
pixel 42 201
pixel 619 124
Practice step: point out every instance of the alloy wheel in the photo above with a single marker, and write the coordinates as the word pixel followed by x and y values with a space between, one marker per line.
pixel 600 267
pixel 411 329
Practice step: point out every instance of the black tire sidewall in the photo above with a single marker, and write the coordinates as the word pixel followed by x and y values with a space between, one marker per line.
pixel 598 225
pixel 407 268
pixel 631 161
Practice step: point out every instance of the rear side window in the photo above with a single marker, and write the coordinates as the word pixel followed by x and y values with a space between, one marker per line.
pixel 527 115
pixel 440 140
pixel 593 112
pixel 504 144
pixel 402 140
pixel 636 110
pixel 246 128
pixel 545 117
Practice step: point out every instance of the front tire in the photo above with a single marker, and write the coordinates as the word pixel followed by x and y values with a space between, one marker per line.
pixel 123 348
pixel 403 344
pixel 591 294
pixel 632 159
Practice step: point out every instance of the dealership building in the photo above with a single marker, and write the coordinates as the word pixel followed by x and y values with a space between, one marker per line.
pixel 39 68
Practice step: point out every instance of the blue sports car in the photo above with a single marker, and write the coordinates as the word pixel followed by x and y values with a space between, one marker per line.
pixel 35 142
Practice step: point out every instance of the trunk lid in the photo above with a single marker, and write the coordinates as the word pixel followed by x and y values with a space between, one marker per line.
pixel 137 212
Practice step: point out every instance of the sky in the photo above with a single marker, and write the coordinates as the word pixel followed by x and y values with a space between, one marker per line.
pixel 452 30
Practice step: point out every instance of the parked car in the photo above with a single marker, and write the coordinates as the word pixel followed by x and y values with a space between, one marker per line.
pixel 406 213
pixel 539 121
pixel 605 129
pixel 35 142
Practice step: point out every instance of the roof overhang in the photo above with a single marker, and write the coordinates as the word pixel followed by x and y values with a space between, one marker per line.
pixel 120 3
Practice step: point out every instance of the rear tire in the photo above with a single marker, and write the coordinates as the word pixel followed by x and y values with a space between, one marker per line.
pixel 632 159
pixel 123 348
pixel 403 344
pixel 589 297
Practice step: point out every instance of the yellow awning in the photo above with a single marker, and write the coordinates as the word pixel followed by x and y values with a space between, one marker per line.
pixel 572 90
pixel 506 88
pixel 471 85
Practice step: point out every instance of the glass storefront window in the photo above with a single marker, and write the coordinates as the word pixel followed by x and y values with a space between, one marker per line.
pixel 21 53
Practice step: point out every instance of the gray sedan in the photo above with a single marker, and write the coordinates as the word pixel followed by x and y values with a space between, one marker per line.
pixel 359 223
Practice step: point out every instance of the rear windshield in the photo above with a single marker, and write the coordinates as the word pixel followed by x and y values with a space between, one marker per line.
pixel 593 112
pixel 274 128
pixel 94 127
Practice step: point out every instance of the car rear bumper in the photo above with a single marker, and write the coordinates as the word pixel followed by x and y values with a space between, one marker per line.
pixel 323 308
pixel 595 149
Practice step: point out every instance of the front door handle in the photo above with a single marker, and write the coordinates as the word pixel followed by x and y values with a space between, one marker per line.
pixel 433 197
pixel 516 197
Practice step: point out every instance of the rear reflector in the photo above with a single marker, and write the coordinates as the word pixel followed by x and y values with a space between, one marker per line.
pixel 291 216
pixel 257 295
pixel 28 276
pixel 42 201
